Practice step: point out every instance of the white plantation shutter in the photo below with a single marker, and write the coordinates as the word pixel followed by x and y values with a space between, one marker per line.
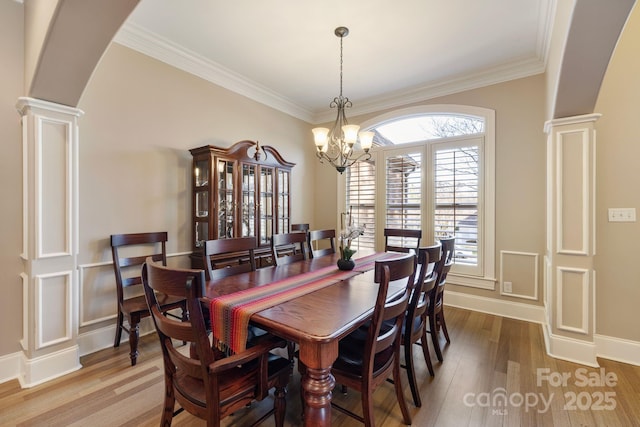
pixel 456 188
pixel 403 181
pixel 361 197
pixel 436 173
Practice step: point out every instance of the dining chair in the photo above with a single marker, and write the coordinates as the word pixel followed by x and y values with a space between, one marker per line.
pixel 289 247
pixel 435 312
pixel 322 242
pixel 131 303
pixel 203 384
pixel 368 356
pixel 243 247
pixel 300 227
pixel 402 240
pixel 414 329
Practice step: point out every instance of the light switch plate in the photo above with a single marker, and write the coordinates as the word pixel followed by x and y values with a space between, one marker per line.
pixel 622 214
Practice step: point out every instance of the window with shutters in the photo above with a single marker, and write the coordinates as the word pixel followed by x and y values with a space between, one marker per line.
pixel 438 177
pixel 361 201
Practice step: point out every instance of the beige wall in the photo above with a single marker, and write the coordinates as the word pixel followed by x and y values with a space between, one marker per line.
pixel 618 176
pixel 141 118
pixel 11 86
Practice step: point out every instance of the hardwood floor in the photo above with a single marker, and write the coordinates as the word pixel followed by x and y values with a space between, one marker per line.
pixel 490 360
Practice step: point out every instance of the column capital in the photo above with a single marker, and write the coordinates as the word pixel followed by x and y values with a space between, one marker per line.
pixel 25 104
pixel 549 124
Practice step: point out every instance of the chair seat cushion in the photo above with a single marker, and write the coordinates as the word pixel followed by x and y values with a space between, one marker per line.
pixel 351 356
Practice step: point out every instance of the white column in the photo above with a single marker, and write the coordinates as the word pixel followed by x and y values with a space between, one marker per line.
pixel 570 278
pixel 50 240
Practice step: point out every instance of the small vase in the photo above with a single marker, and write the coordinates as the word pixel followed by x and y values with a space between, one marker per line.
pixel 346 264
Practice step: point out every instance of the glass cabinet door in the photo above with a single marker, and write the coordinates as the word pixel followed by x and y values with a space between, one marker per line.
pixel 226 203
pixel 284 220
pixel 248 200
pixel 201 200
pixel 266 205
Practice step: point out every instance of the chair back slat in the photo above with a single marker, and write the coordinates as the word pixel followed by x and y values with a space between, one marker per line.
pixel 289 247
pixel 322 242
pixel 242 247
pixel 402 240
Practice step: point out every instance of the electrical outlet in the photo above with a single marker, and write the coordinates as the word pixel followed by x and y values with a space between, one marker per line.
pixel 507 287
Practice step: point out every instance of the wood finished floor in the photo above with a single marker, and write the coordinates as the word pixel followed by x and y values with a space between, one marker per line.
pixel 488 356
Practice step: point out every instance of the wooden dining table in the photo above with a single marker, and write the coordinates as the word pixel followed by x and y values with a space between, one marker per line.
pixel 315 321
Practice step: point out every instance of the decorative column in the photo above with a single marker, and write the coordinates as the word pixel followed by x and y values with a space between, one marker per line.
pixel 50 240
pixel 570 278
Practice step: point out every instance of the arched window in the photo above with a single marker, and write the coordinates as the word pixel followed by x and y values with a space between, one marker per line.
pixel 432 168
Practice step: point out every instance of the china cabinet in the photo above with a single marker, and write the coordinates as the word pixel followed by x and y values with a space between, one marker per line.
pixel 239 191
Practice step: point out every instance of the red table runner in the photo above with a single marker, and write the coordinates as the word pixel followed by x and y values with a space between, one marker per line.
pixel 230 313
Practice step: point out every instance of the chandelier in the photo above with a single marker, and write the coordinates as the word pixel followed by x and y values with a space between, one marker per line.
pixel 337 145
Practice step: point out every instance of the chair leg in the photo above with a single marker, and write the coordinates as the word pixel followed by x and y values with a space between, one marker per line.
pixel 367 408
pixel 280 405
pixel 119 324
pixel 411 373
pixel 169 402
pixel 134 328
pixel 433 330
pixel 425 352
pixel 397 383
pixel 443 324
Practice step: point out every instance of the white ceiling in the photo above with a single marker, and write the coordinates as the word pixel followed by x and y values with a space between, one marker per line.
pixel 284 53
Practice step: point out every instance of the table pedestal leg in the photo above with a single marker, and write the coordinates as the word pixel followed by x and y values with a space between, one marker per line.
pixel 317 385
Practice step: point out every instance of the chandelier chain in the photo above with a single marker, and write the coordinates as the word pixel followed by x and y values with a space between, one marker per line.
pixel 341 66
pixel 336 145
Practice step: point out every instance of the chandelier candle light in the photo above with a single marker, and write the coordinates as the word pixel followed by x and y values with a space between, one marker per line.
pixel 337 145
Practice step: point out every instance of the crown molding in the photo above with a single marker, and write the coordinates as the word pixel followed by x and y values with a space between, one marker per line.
pixel 512 71
pixel 146 42
pixel 151 44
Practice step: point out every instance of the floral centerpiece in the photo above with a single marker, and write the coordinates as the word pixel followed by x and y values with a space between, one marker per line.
pixel 348 233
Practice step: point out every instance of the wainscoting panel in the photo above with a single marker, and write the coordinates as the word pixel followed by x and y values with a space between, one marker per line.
pixel 521 270
pixel 573 299
pixel 53 187
pixel 573 190
pixel 53 313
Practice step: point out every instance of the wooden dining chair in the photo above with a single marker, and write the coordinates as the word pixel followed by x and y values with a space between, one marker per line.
pixel 322 242
pixel 402 240
pixel 300 227
pixel 289 247
pixel 414 329
pixel 367 357
pixel 243 249
pixel 137 246
pixel 435 312
pixel 206 386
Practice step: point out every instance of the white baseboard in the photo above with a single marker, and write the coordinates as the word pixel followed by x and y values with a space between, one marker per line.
pixel 511 309
pixel 99 339
pixel 618 349
pixel 10 366
pixel 48 367
pixel 569 349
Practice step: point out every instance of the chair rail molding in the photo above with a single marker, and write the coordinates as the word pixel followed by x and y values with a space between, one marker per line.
pixel 50 240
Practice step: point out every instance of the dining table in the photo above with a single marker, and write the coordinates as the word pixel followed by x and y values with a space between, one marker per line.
pixel 316 320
